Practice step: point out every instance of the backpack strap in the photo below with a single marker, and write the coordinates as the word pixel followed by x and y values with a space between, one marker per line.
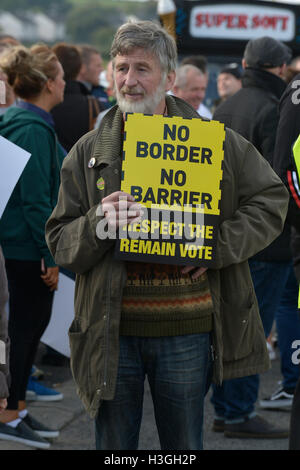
pixel 94 110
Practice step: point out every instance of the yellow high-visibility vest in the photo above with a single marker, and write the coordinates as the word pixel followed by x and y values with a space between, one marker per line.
pixel 296 155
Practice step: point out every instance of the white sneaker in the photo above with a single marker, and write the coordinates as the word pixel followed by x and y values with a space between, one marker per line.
pixel 282 398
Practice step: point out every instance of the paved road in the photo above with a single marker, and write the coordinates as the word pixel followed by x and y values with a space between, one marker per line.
pixel 77 429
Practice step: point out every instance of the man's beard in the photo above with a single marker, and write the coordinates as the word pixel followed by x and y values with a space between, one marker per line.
pixel 146 105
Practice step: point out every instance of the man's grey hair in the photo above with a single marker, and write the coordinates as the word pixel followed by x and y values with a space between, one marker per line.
pixel 182 73
pixel 149 36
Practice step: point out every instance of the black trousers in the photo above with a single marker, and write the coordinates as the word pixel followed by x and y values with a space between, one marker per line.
pixel 30 305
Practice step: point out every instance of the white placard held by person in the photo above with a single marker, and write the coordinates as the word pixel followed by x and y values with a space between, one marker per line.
pixel 13 160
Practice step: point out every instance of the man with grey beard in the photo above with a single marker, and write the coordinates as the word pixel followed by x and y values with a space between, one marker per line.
pixel 183 327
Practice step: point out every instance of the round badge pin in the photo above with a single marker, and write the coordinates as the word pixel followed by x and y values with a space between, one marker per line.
pixel 100 184
pixel 91 162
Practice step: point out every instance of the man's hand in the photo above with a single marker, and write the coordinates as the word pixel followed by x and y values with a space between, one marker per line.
pixel 120 209
pixel 50 277
pixel 3 404
pixel 197 271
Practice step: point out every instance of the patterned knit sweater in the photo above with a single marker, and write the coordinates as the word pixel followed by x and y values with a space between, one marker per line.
pixel 159 300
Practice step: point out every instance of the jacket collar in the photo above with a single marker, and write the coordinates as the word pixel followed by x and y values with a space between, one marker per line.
pixel 267 81
pixel 47 117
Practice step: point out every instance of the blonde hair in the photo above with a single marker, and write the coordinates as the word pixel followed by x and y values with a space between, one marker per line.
pixel 28 70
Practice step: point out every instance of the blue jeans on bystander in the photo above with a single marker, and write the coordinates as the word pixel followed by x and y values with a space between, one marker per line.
pixel 235 399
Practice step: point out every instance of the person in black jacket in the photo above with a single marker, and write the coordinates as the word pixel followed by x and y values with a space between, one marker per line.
pixel 286 316
pixel 284 164
pixel 229 81
pixel 253 112
pixel 287 133
pixel 77 114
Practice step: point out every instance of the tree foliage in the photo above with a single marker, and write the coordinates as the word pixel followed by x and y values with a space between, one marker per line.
pixel 87 21
pixel 102 38
pixel 95 22
pixel 54 8
pixel 84 22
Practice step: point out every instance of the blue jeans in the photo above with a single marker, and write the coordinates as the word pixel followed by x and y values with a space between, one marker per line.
pixel 179 375
pixel 235 399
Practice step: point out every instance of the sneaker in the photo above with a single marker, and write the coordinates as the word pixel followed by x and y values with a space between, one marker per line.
pixel 37 373
pixel 38 427
pixel 282 398
pixel 23 434
pixel 256 427
pixel 218 425
pixel 37 391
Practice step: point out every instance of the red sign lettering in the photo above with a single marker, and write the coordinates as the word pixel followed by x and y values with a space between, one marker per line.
pixel 270 22
pixel 232 21
pixel 243 19
pixel 219 19
pixel 285 20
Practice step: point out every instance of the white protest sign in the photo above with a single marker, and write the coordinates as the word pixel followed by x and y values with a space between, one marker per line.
pixel 56 334
pixel 13 160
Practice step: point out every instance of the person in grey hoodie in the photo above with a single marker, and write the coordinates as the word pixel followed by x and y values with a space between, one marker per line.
pixel 4 340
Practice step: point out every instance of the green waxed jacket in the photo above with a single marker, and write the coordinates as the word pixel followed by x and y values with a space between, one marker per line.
pixel 253 209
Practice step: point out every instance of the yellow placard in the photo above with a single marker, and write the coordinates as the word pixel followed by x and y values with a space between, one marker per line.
pixel 173 167
pixel 173 162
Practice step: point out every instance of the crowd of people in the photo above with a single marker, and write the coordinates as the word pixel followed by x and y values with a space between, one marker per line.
pixel 211 329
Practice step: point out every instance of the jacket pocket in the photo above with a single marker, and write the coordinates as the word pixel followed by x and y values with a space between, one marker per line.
pixel 238 325
pixel 80 355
